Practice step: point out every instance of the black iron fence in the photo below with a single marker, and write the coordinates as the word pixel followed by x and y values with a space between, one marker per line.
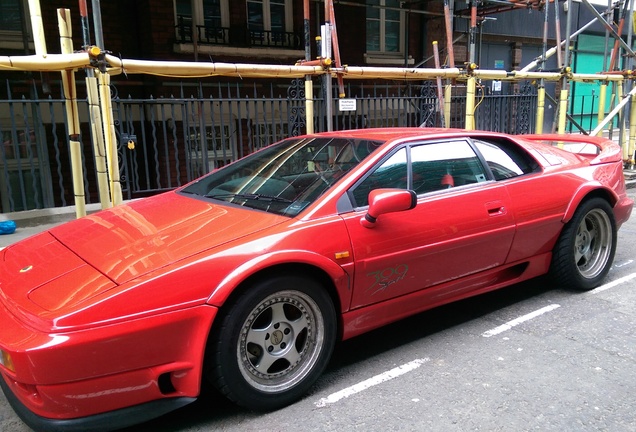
pixel 165 142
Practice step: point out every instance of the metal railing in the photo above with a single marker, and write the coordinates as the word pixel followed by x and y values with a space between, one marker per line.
pixel 211 33
pixel 165 142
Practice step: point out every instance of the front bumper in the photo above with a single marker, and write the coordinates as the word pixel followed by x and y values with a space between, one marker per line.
pixel 71 380
pixel 109 421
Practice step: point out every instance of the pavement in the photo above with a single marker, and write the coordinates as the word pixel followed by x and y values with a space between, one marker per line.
pixel 32 222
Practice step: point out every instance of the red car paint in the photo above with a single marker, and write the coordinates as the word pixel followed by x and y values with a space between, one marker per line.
pixel 97 312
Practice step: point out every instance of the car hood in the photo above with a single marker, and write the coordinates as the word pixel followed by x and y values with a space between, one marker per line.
pixel 61 269
pixel 39 273
pixel 130 240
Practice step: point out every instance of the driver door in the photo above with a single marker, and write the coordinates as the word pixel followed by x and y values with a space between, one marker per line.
pixel 460 226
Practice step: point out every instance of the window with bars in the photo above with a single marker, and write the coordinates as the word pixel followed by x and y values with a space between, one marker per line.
pixel 269 22
pixel 268 15
pixel 209 18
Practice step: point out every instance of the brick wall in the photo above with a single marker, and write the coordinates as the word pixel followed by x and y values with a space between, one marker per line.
pixel 351 24
pixel 145 29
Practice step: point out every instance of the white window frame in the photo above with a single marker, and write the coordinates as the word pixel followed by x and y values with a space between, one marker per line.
pixel 267 18
pixel 378 56
pixel 198 16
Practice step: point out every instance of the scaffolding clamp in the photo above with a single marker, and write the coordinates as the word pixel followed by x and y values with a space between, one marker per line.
pixel 566 72
pixel 470 68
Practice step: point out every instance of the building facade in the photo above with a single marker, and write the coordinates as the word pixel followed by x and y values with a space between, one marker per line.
pixel 171 130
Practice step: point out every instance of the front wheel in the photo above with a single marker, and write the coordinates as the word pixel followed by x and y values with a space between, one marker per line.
pixel 272 343
pixel 585 250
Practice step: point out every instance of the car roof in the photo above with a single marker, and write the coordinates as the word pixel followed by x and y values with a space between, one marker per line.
pixel 392 133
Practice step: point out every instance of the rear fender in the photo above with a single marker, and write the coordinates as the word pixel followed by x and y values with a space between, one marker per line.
pixel 584 191
pixel 335 272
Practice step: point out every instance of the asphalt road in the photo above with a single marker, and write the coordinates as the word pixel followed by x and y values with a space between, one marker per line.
pixel 529 357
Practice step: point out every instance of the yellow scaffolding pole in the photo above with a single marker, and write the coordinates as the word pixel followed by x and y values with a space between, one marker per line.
pixel 563 106
pixel 438 80
pixel 538 127
pixel 448 94
pixel 72 116
pixel 37 26
pixel 619 95
pixel 98 141
pixel 470 103
pixel 628 150
pixel 112 156
pixel 601 106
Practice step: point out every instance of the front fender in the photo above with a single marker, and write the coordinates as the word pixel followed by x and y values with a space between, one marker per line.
pixel 336 273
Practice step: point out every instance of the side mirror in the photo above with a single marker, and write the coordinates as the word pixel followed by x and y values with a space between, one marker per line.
pixel 383 201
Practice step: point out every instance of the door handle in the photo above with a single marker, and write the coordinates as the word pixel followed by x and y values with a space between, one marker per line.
pixel 497 211
pixel 495 208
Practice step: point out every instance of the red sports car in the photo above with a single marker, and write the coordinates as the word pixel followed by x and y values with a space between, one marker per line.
pixel 245 278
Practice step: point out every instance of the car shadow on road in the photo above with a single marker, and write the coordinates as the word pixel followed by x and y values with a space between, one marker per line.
pixel 433 321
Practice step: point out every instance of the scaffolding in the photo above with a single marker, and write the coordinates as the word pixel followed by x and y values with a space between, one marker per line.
pixel 619 76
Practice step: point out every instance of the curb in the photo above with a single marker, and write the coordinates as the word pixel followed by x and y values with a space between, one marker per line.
pixel 31 218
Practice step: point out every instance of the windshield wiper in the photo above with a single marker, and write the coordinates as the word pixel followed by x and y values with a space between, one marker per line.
pixel 254 196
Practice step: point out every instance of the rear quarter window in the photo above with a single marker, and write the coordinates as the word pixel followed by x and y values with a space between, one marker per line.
pixel 506 159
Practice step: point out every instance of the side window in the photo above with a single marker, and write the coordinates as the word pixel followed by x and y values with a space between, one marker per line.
pixel 505 159
pixel 390 174
pixel 444 165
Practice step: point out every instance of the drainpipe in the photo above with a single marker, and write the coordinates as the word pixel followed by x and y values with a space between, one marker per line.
pixel 309 87
pixel 97 22
pixel 563 99
pixel 448 90
pixel 326 47
pixel 471 82
pixel 541 90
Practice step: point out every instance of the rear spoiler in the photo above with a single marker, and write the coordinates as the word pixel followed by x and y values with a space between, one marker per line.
pixel 598 149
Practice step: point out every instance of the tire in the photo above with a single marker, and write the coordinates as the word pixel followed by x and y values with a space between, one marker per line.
pixel 272 343
pixel 585 250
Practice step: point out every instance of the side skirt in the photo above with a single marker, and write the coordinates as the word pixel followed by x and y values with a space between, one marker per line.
pixel 370 317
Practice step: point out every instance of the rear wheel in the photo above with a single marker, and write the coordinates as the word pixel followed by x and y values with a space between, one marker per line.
pixel 273 342
pixel 585 250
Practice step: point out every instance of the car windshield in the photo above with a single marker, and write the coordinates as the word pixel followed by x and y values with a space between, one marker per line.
pixel 286 177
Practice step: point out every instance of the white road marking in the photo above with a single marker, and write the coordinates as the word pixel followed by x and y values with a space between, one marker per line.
pixel 378 379
pixel 623 264
pixel 510 324
pixel 613 283
pixel 408 367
